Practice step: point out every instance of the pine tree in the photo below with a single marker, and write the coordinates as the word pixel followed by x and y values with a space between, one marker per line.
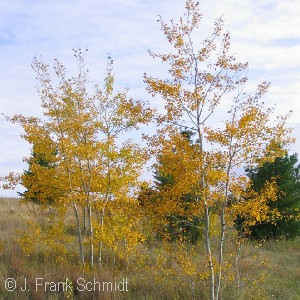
pixel 177 226
pixel 31 193
pixel 286 170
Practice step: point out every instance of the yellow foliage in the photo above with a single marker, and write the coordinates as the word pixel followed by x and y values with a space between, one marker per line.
pixel 78 162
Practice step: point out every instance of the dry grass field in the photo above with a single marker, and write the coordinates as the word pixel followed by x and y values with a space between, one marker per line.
pixel 282 280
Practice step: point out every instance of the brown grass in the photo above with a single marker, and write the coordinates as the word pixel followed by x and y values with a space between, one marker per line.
pixel 146 278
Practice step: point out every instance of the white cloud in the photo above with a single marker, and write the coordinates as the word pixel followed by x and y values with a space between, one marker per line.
pixel 269 57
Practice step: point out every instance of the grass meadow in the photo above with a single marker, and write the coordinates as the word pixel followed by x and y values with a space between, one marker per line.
pixel 38 277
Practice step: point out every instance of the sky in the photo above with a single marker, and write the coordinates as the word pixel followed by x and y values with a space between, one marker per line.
pixel 265 33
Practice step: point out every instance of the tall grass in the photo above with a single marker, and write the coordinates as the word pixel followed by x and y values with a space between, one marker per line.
pixel 153 272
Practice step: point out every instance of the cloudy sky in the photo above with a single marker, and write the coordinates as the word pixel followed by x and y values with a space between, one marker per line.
pixel 264 32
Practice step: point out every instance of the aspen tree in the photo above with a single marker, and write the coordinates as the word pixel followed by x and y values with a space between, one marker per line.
pixel 80 133
pixel 202 75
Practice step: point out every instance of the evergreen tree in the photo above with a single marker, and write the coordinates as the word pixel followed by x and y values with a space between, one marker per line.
pixel 32 193
pixel 174 226
pixel 286 170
